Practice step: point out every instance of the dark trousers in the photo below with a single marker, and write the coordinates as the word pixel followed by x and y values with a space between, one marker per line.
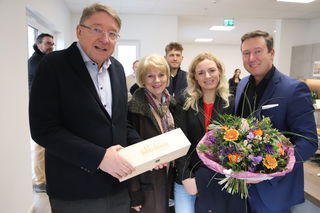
pixel 256 205
pixel 211 198
pixel 114 203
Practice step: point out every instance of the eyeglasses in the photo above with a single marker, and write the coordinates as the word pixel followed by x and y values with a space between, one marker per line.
pixel 48 43
pixel 112 35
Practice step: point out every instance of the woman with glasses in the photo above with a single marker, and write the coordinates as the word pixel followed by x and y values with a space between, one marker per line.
pixel 150 114
pixel 207 95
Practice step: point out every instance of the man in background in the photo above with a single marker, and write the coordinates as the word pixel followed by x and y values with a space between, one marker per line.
pixel 178 81
pixel 131 80
pixel 44 45
pixel 287 102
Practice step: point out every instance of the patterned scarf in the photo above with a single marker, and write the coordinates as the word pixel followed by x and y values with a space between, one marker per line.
pixel 162 109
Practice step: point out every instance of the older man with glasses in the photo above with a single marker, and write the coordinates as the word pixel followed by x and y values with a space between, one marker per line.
pixel 78 112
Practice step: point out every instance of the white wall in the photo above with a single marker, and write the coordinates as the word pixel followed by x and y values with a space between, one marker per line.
pixel 154 32
pixel 58 15
pixel 313 34
pixel 230 56
pixel 293 33
pixel 15 178
pixel 15 158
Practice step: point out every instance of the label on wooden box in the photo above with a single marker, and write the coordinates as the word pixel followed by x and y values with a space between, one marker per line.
pixel 163 148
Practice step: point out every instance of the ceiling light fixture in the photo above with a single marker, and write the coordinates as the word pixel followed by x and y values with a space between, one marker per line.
pixel 297 1
pixel 203 40
pixel 222 28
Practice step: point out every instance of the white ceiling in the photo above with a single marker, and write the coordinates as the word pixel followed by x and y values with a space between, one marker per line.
pixel 195 17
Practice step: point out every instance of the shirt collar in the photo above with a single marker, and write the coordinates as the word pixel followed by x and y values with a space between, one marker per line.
pixel 267 77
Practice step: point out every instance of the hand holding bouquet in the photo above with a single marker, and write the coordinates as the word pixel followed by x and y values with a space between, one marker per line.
pixel 245 149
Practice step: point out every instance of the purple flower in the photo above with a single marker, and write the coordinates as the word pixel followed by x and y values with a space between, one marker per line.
pixel 227 150
pixel 212 139
pixel 250 136
pixel 269 149
pixel 252 168
pixel 255 160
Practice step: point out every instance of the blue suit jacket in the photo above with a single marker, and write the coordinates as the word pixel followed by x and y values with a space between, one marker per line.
pixel 294 113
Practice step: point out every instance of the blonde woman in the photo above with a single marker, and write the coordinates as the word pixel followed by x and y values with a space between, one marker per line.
pixel 207 96
pixel 149 113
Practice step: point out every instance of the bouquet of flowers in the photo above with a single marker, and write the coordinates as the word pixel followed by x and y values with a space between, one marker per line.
pixel 245 149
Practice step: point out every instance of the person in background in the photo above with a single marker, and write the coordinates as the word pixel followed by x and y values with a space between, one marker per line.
pixel 178 81
pixel 44 45
pixel 267 92
pixel 131 79
pixel 206 97
pixel 234 81
pixel 78 116
pixel 150 114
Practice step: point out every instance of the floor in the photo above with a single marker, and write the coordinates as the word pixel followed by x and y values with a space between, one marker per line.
pixel 41 203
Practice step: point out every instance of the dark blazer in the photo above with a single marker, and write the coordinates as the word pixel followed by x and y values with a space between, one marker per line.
pixel 180 86
pixel 294 113
pixel 69 120
pixel 210 196
pixel 150 189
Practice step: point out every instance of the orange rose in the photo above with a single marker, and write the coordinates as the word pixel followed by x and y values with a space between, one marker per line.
pixel 258 132
pixel 270 162
pixel 234 158
pixel 281 150
pixel 231 135
pixel 225 128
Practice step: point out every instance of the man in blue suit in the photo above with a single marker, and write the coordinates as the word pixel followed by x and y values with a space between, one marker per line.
pixel 267 92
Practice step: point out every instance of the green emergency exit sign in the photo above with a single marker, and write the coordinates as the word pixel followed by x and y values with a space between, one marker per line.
pixel 228 22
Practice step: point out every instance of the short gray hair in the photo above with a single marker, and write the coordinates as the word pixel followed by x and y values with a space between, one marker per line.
pixel 90 10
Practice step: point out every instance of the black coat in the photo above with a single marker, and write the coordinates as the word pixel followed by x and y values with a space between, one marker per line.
pixel 68 119
pixel 33 64
pixel 233 86
pixel 177 90
pixel 210 195
pixel 150 189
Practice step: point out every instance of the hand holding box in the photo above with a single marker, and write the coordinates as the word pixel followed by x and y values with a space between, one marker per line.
pixel 160 149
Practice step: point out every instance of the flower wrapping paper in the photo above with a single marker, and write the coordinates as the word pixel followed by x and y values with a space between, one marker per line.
pixel 207 159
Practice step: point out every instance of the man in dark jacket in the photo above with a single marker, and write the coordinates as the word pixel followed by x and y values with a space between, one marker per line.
pixel 78 112
pixel 44 45
pixel 178 81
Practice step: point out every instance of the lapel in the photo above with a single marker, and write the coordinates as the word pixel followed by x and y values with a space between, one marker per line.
pixel 217 109
pixel 239 92
pixel 115 79
pixel 81 71
pixel 200 114
pixel 268 94
pixel 179 81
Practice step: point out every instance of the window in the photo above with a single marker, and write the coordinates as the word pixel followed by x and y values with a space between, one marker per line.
pixel 32 36
pixel 127 52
